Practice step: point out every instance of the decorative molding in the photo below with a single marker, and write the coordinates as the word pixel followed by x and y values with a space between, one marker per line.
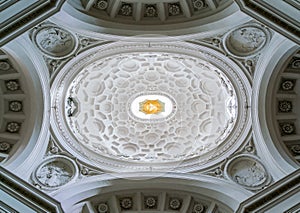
pixel 151 12
pixel 294 209
pixel 294 3
pixel 30 15
pixel 6 208
pixel 248 58
pixel 285 112
pixel 245 162
pixel 65 78
pixel 273 17
pixel 59 45
pixel 247 171
pixel 55 150
pixel 158 200
pixel 54 172
pixel 15 111
pixel 246 40
pixel 27 194
pixel 265 199
pixel 6 3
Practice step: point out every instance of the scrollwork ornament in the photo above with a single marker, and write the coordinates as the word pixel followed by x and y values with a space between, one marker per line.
pixel 249 148
pixel 218 172
pixel 295 64
pixel 54 150
pixel 85 171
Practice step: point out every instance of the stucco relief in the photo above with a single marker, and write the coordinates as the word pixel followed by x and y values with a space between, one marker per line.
pixel 54 172
pixel 247 171
pixel 246 40
pixel 54 41
pixel 4 66
pixel 102 131
pixel 199 107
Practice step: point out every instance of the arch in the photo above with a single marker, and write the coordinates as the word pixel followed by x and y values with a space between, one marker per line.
pixel 278 163
pixel 231 195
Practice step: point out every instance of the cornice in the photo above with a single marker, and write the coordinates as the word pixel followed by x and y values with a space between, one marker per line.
pixel 30 15
pixel 264 199
pixel 271 16
pixel 27 194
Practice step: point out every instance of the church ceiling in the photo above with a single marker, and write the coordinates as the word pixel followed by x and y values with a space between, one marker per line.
pixel 81 112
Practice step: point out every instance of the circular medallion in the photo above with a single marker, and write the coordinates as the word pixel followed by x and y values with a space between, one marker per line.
pixel 103 208
pixel 55 41
pixel 175 204
pixel 4 146
pixel 198 208
pixel 4 66
pixel 247 171
pixel 150 202
pixel 246 40
pixel 55 172
pixel 15 106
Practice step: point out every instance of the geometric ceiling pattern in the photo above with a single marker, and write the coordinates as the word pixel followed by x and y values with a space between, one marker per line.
pixel 200 107
pixel 149 17
pixel 153 11
pixel 155 201
pixel 108 123
pixel 285 102
pixel 15 106
pixel 137 106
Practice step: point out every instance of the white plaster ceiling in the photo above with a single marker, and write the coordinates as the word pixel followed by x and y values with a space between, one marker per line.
pixel 199 112
pixel 205 85
pixel 98 102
